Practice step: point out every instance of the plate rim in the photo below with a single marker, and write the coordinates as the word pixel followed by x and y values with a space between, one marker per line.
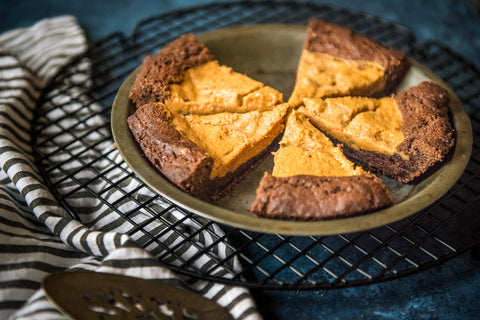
pixel 148 174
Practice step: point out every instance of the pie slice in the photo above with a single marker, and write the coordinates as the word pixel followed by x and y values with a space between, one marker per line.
pixel 312 179
pixel 336 61
pixel 212 88
pixel 205 155
pixel 185 77
pixel 401 136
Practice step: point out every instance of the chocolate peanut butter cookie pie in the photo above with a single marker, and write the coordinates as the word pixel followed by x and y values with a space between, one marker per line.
pixel 401 136
pixel 336 61
pixel 205 126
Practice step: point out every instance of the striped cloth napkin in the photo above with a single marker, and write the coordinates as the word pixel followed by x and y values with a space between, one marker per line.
pixel 37 236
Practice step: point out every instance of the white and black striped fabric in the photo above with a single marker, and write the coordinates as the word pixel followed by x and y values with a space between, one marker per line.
pixel 37 236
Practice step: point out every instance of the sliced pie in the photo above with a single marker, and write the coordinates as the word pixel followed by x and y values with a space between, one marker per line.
pixel 401 136
pixel 336 61
pixel 204 126
pixel 312 179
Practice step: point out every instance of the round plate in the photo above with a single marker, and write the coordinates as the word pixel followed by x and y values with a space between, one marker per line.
pixel 270 53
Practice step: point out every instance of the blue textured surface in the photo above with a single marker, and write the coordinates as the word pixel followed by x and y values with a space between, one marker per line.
pixel 447 291
pixel 454 22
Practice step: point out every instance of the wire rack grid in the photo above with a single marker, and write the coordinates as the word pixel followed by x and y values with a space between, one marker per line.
pixel 440 232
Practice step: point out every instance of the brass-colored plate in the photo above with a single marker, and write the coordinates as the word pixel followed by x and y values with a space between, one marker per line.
pixel 270 53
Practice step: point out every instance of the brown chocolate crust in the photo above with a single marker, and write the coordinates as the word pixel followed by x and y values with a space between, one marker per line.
pixel 428 135
pixel 175 156
pixel 305 197
pixel 178 158
pixel 338 41
pixel 167 66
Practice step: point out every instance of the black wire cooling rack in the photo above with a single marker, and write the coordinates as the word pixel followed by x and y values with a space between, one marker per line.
pixel 440 232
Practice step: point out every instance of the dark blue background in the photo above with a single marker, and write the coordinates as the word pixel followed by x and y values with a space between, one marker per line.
pixel 447 291
pixel 456 23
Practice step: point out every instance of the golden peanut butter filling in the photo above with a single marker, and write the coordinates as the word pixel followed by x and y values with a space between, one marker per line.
pixel 363 123
pixel 232 139
pixel 305 150
pixel 213 88
pixel 322 75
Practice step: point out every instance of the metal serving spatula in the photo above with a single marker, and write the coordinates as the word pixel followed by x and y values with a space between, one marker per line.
pixel 92 295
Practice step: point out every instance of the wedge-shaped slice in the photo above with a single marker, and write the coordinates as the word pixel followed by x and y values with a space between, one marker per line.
pixel 212 88
pixel 401 136
pixel 185 77
pixel 337 62
pixel 312 179
pixel 362 123
pixel 205 155
pixel 304 150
